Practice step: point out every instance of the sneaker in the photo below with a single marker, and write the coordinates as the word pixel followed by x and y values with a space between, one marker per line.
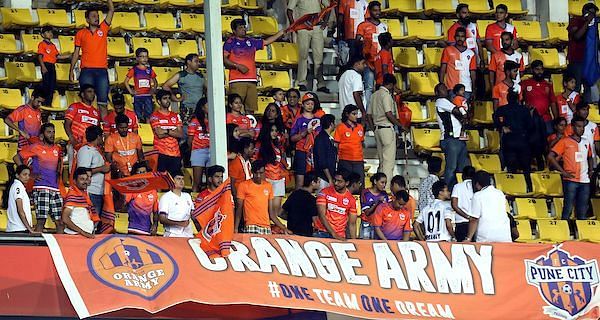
pixel 324 90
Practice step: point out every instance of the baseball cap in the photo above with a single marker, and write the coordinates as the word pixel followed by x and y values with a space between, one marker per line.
pixel 309 96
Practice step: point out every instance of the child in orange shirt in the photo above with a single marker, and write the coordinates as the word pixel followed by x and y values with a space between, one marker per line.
pixel 47 56
pixel 463 105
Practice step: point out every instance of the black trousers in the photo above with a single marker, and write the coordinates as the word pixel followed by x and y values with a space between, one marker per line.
pixel 49 82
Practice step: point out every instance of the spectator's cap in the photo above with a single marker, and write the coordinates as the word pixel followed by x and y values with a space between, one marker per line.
pixel 309 96
pixel 588 6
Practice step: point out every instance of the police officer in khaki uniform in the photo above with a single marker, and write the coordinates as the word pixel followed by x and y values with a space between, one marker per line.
pixel 306 39
pixel 382 111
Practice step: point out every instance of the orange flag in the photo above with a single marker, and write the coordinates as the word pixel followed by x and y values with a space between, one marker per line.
pixel 214 214
pixel 107 216
pixel 308 21
pixel 145 182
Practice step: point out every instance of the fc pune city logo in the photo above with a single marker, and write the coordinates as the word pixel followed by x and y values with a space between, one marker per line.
pixel 567 283
pixel 132 265
pixel 134 185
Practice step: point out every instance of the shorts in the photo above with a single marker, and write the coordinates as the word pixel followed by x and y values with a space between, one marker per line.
pixel 256 229
pixel 48 203
pixel 278 187
pixel 300 162
pixel 200 157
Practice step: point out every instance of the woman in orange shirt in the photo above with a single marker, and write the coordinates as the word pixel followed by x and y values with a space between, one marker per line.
pixel 272 152
pixel 235 116
pixel 303 134
pixel 349 135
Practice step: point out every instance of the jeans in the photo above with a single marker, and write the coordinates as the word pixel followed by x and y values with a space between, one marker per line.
pixel 369 82
pixel 98 78
pixel 143 107
pixel 455 152
pixel 97 202
pixel 49 82
pixel 576 194
pixel 322 234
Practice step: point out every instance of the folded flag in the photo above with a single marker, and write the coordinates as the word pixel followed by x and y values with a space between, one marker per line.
pixel 308 21
pixel 143 182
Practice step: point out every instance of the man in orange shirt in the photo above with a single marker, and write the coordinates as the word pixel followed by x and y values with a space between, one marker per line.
pixel 123 149
pixel 168 129
pixel 254 198
pixel 240 168
pixel 27 119
pixel 47 56
pixel 392 220
pixel 337 209
pixel 398 184
pixel 384 61
pixel 92 42
pixel 350 14
pixel 473 40
pixel 459 64
pixel 80 116
pixel 494 30
pixel 507 53
pixel 500 91
pixel 368 32
pixel 576 170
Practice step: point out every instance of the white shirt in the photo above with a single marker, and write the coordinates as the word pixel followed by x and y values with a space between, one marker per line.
pixel 350 82
pixel 81 218
pixel 489 206
pixel 449 125
pixel 18 191
pixel 89 157
pixel 434 217
pixel 588 133
pixel 177 208
pixel 464 193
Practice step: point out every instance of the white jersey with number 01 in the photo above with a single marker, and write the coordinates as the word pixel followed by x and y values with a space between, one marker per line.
pixel 433 218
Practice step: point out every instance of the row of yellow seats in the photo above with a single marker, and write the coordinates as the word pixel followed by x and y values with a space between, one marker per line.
pixel 428 139
pixel 446 7
pixel 557 231
pixel 546 209
pixel 225 4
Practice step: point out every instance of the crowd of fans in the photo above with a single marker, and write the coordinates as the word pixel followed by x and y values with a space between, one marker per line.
pixel 326 156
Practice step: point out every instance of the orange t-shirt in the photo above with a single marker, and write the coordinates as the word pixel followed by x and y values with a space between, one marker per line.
pixel 370 33
pixel 83 116
pixel 393 223
pixel 459 65
pixel 168 146
pixel 497 64
pixel 350 142
pixel 242 121
pixel 500 92
pixel 383 58
pixel 563 105
pixel 461 102
pixel 239 170
pixel 256 202
pixel 124 150
pixel 93 46
pixel 337 208
pixel 354 12
pixel 110 124
pixel 494 31
pixel 48 51
pixel 29 120
pixel 575 157
pixel 200 134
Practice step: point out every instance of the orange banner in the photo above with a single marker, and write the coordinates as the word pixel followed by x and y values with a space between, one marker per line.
pixel 368 279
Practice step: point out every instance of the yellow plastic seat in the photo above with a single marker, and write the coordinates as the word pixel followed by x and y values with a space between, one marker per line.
pixel 529 208
pixel 594 113
pixel 530 31
pixel 8 44
pixel 557 31
pixel 285 52
pixel 3 220
pixel 121 73
pixel 263 26
pixel 483 112
pixel 60 133
pixel 62 73
pixel 423 29
pixel 394 28
pixel 482 26
pixel 512 184
pixel 126 21
pixel 121 222
pixel 263 102
pixel 226 23
pixel 163 22
pixel 446 24
pixel 525 233
pixel 401 6
pixel 274 79
pixel 7 151
pixel 154 46
pixel 433 56
pixel 4 176
pixel 431 110
pixel 66 44
pixel 186 3
pixel 478 6
pixel 554 231
pixel 549 56
pixel 419 112
pixel 30 42
pixel 547 184
pixel 80 18
pixel 179 48
pixel 406 57
pixel 487 162
pixel 58 104
pixel 473 144
pixel 575 7
pixel 514 6
pixel 146 134
pixel 5 131
pixel 54 17
pixel 14 18
pixel 164 73
pixel 21 72
pixel 439 6
pixel 117 48
pixel 265 55
pixel 422 83
pixel 426 139
pixel 492 140
pixel 192 22
pixel 588 230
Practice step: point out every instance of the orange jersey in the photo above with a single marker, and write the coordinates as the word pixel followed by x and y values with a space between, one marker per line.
pixel 350 141
pixel 201 137
pixel 337 208
pixel 169 145
pixel 289 115
pixel 256 202
pixel 239 170
pixel 48 51
pixel 575 157
pixel 27 119
pixel 459 65
pixel 110 125
pixel 93 46
pixel 354 12
pixel 80 199
pixel 277 170
pixel 500 92
pixel 563 105
pixel 83 116
pixel 393 223
pixel 45 160
pixel 472 35
pixel 461 102
pixel 124 150
pixel 383 59
pixel 242 121
pixel 497 64
pixel 370 33
pixel 494 31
